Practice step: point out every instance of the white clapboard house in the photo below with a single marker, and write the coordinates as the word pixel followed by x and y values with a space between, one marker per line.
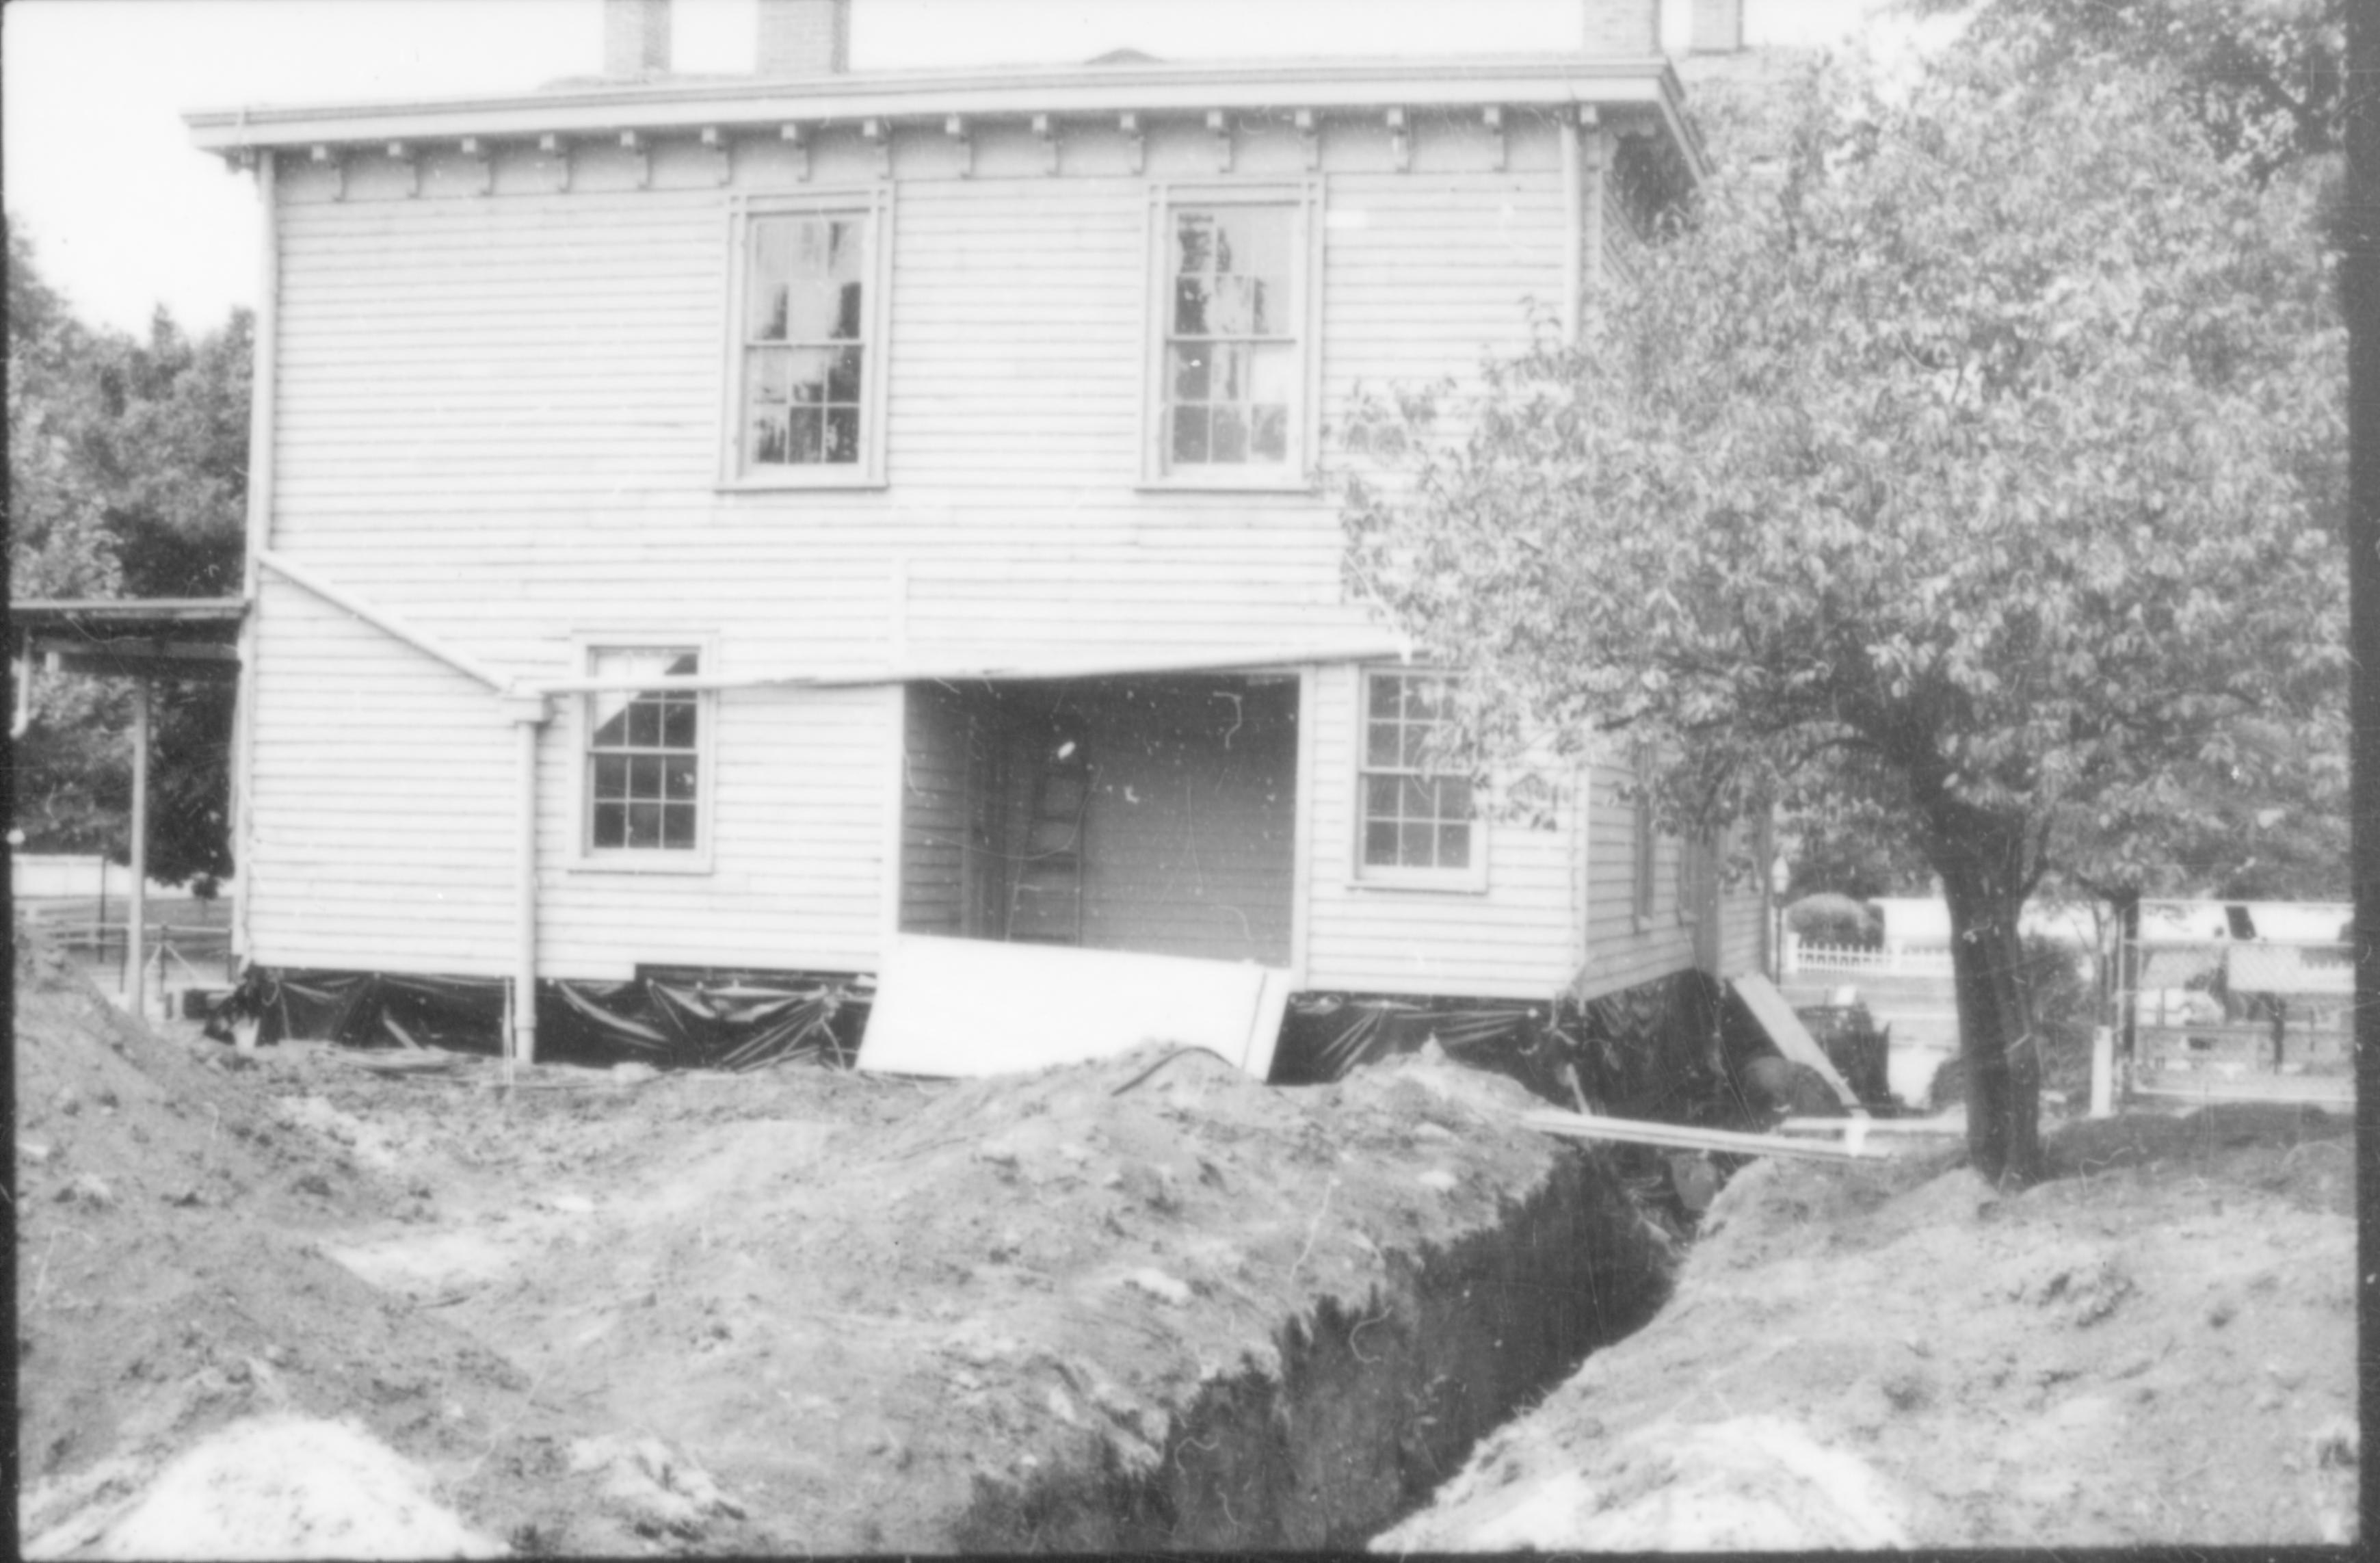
pixel 729 523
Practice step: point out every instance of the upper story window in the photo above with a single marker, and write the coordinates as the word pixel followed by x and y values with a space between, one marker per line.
pixel 1418 825
pixel 805 380
pixel 1231 381
pixel 647 758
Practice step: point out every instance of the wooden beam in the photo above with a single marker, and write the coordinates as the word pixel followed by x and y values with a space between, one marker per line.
pixel 1677 1137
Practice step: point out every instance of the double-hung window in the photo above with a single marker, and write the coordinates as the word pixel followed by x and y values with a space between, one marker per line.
pixel 807 342
pixel 647 759
pixel 1231 390
pixel 1417 824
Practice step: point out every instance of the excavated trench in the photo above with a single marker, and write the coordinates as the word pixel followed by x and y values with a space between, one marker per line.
pixel 1373 1404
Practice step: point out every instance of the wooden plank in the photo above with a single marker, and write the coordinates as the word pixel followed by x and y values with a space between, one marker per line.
pixel 1631 1132
pixel 1792 1038
pixel 971 1007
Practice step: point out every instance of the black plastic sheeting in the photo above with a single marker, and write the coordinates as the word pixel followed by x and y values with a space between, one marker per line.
pixel 672 1018
pixel 1658 1051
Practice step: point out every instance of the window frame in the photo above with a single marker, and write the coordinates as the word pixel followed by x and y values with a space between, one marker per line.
pixel 1296 473
pixel 585 855
pixel 874 202
pixel 1470 879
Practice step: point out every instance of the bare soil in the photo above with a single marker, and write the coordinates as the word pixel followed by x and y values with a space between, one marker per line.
pixel 1145 1302
pixel 2156 1347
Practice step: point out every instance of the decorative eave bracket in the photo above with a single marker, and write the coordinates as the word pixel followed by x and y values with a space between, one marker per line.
pixel 962 139
pixel 332 158
pixel 1400 141
pixel 558 148
pixel 403 152
pixel 640 149
pixel 480 152
pixel 1218 126
pixel 798 141
pixel 1136 138
pixel 1045 131
pixel 725 146
pixel 1310 136
pixel 878 134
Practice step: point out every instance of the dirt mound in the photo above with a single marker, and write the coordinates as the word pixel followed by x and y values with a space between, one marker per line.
pixel 890 1314
pixel 2156 1348
pixel 168 1278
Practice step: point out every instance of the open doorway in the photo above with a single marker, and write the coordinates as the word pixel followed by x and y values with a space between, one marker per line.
pixel 1151 814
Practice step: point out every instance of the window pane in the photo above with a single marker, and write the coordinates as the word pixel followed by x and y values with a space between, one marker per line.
pixel 1231 374
pixel 611 828
pixel 1232 311
pixel 677 827
pixel 677 724
pixel 644 777
pixel 1419 798
pixel 1228 440
pixel 843 376
pixel 848 318
pixel 1194 238
pixel 1269 433
pixel 1381 744
pixel 1380 843
pixel 1190 433
pixel 803 435
pixel 678 778
pixel 1252 241
pixel 1271 372
pixel 1380 798
pixel 1191 300
pixel 1454 846
pixel 774 266
pixel 644 824
pixel 644 725
pixel 847 249
pixel 1413 845
pixel 812 307
pixel 1188 373
pixel 843 434
pixel 611 776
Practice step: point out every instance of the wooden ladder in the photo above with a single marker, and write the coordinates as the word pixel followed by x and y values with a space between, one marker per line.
pixel 1045 902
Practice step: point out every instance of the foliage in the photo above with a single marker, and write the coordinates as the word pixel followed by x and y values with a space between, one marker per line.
pixel 2264 79
pixel 127 477
pixel 1936 471
pixel 1829 919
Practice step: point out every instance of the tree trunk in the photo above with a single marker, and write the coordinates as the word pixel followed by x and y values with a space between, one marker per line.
pixel 1982 860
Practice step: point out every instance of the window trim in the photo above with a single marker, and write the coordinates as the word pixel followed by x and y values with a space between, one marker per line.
pixel 875 202
pixel 1296 474
pixel 1471 879
pixel 584 857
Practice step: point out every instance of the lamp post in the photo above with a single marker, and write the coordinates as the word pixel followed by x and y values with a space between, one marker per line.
pixel 1780 879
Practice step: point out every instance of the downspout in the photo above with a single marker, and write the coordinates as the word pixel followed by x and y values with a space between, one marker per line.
pixel 263 380
pixel 528 715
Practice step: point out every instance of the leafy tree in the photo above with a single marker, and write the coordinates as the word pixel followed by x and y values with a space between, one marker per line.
pixel 2265 79
pixel 127 477
pixel 1936 469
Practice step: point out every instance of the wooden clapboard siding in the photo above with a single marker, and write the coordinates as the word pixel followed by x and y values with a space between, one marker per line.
pixel 934 817
pixel 1619 952
pixel 499 416
pixel 1520 937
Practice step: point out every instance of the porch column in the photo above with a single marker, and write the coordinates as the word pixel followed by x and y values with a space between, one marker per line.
pixel 136 945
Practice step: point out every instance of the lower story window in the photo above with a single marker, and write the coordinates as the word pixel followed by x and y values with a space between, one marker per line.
pixel 644 753
pixel 1417 824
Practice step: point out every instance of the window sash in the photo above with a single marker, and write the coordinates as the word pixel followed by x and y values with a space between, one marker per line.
pixel 1413 819
pixel 645 758
pixel 1231 279
pixel 802 401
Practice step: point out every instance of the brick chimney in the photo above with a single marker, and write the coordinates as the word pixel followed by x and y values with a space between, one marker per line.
pixel 636 37
pixel 1625 29
pixel 804 38
pixel 1718 27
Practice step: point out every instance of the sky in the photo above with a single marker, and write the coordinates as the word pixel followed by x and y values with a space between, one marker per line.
pixel 124 215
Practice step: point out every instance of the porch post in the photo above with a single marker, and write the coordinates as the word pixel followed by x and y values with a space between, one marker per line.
pixel 136 947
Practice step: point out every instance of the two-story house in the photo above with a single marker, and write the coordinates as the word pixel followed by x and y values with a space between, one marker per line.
pixel 728 523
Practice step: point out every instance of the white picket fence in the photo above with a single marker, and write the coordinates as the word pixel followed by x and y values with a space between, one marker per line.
pixel 1898 960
